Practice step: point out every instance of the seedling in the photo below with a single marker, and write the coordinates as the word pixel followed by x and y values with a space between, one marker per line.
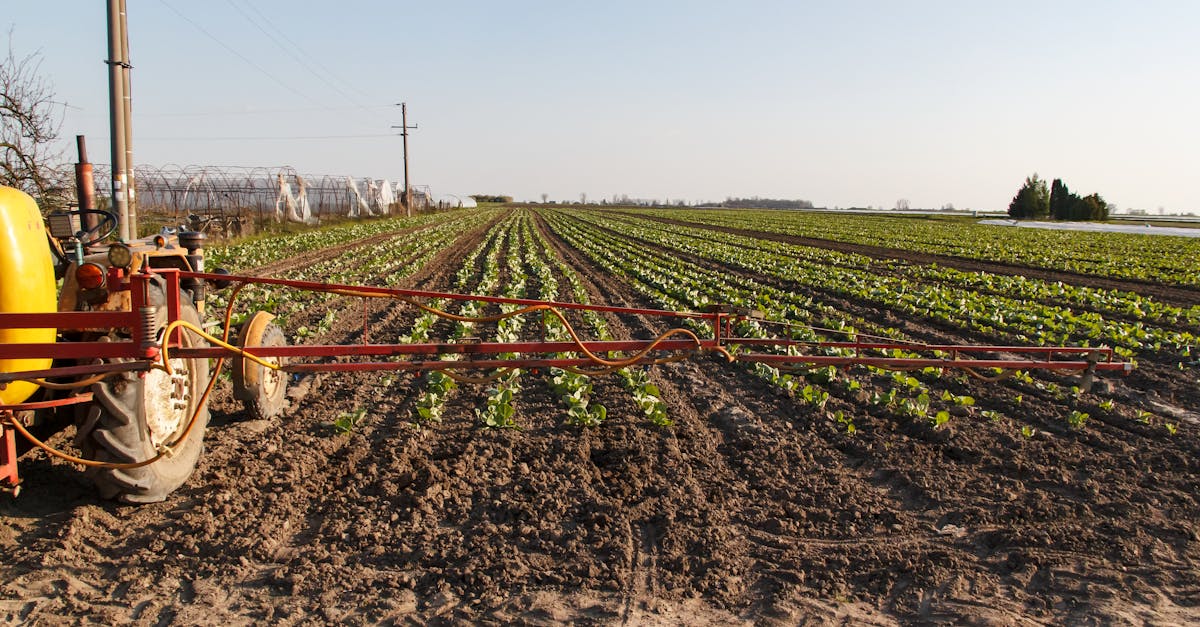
pixel 961 401
pixel 845 421
pixel 814 396
pixel 346 421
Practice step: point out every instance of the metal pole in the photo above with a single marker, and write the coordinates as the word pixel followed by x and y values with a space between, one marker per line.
pixel 127 95
pixel 85 187
pixel 116 118
pixel 407 190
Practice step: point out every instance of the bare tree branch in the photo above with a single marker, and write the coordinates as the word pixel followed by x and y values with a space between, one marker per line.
pixel 29 126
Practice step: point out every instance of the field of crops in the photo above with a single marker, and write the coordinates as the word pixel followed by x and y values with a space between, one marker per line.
pixel 694 492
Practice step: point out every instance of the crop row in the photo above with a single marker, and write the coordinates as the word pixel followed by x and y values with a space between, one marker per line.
pixel 909 291
pixel 515 260
pixel 672 283
pixel 645 394
pixel 438 386
pixel 258 251
pixel 1173 260
pixel 1121 303
pixel 389 263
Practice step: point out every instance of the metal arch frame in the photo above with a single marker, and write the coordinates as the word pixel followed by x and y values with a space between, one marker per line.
pixel 177 190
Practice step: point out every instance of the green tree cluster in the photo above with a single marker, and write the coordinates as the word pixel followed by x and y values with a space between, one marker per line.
pixel 1032 200
pixel 1035 201
pixel 1065 205
pixel 491 198
pixel 765 203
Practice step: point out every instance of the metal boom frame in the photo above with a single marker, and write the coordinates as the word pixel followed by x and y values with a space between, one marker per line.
pixel 143 348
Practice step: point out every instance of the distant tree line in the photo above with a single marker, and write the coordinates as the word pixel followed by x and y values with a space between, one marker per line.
pixel 765 203
pixel 1034 200
pixel 491 198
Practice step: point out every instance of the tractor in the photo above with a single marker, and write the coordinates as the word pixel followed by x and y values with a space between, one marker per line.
pixel 122 416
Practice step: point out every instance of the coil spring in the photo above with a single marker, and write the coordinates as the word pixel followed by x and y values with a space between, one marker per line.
pixel 149 324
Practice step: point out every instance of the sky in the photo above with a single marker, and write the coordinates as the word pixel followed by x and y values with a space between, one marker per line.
pixel 847 103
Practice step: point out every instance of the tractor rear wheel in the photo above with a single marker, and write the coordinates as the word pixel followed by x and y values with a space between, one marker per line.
pixel 134 416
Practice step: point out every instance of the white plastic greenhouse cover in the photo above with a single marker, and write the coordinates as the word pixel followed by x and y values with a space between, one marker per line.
pixel 293 207
pixel 387 195
pixel 452 200
pixel 358 206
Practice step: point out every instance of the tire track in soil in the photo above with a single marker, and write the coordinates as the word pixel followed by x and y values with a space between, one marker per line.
pixel 644 542
pixel 544 433
pixel 1072 525
pixel 641 585
pixel 643 536
pixel 1179 296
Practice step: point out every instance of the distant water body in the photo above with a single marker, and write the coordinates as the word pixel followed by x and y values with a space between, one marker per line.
pixel 1142 229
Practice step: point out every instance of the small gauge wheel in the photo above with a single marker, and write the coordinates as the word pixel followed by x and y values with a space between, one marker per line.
pixel 262 390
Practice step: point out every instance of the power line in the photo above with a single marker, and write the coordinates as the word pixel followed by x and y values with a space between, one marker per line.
pixel 238 54
pixel 264 137
pixel 289 52
pixel 301 50
pixel 259 111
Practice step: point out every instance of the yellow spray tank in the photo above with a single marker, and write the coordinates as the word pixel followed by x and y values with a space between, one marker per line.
pixel 27 283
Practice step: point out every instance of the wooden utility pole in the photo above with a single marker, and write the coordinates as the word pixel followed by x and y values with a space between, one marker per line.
pixel 127 97
pixel 404 133
pixel 116 117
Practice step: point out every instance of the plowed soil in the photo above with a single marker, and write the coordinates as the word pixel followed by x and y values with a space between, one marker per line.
pixel 755 507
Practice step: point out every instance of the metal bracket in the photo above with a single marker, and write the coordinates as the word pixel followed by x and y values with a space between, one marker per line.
pixel 1089 374
pixel 10 479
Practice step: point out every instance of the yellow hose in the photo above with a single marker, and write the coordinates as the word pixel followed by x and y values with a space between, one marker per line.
pixel 165 450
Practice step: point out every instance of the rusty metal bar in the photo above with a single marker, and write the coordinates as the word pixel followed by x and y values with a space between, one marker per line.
pixel 76 371
pixel 903 363
pixel 69 320
pixel 385 291
pixel 925 347
pixel 482 348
